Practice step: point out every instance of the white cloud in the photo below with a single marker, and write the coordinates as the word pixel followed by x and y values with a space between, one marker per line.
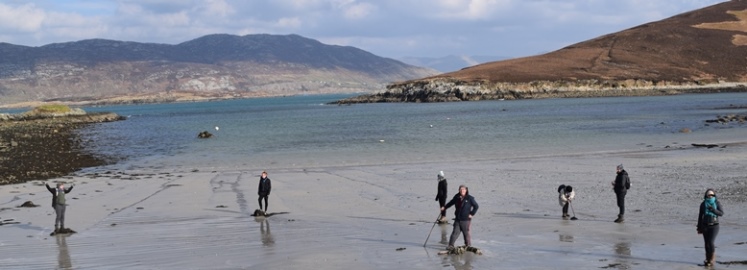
pixel 359 10
pixel 288 23
pixel 217 8
pixel 23 18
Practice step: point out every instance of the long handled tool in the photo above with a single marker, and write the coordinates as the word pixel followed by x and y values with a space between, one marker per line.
pixel 429 233
pixel 572 211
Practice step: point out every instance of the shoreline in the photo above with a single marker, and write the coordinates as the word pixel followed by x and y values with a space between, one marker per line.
pixel 46 148
pixel 448 91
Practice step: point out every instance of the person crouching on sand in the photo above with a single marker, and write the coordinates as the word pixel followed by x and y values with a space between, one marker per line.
pixel 466 208
pixel 710 210
pixel 443 191
pixel 565 195
pixel 58 203
pixel 264 190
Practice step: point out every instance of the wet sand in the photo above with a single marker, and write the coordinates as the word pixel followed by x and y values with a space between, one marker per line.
pixel 378 217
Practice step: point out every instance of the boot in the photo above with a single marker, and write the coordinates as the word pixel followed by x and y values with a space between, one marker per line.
pixel 712 259
pixel 619 219
pixel 56 228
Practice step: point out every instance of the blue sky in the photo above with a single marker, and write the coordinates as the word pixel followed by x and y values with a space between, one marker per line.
pixel 389 28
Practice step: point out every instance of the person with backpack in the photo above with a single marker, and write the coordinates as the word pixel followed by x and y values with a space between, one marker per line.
pixel 565 195
pixel 441 195
pixel 710 210
pixel 621 186
pixel 58 203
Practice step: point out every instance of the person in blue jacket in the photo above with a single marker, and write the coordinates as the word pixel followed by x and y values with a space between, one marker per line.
pixel 709 212
pixel 466 208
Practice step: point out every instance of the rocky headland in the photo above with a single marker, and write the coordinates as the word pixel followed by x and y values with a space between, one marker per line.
pixel 701 51
pixel 440 90
pixel 43 144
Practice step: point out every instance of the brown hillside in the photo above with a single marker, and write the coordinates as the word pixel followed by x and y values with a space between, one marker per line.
pixel 708 44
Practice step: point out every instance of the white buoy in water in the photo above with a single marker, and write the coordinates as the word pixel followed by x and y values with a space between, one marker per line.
pixel 217 128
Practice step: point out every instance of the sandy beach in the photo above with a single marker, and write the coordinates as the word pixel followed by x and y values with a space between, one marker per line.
pixel 378 217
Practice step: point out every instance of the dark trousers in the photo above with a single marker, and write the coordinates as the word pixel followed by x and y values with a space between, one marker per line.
pixel 260 202
pixel 442 202
pixel 565 209
pixel 59 210
pixel 461 226
pixel 621 202
pixel 709 236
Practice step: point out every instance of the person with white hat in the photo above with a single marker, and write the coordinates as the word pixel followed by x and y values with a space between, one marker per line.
pixel 441 195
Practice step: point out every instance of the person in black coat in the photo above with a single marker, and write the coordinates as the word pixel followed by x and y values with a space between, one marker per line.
pixel 264 190
pixel 441 195
pixel 621 186
pixel 710 210
pixel 58 203
pixel 466 208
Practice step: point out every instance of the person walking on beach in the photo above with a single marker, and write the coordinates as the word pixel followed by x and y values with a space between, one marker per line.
pixel 710 210
pixel 621 186
pixel 441 194
pixel 264 190
pixel 58 203
pixel 466 208
pixel 565 195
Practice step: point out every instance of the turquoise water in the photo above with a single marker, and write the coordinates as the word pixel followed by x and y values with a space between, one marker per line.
pixel 302 131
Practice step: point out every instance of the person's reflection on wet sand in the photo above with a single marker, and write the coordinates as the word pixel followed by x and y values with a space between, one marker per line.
pixel 444 239
pixel 566 238
pixel 267 239
pixel 459 262
pixel 63 255
pixel 622 250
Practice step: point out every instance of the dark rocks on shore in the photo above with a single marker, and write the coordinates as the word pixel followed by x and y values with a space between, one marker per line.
pixel 724 119
pixel 28 204
pixel 40 148
pixel 204 135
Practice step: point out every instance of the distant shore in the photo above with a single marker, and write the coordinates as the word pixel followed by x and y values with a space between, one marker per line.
pixel 450 91
pixel 45 148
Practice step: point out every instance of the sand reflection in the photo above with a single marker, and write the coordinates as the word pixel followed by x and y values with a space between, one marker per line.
pixel 63 255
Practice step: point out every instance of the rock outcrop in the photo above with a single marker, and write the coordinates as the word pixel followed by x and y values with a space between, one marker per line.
pixel 38 147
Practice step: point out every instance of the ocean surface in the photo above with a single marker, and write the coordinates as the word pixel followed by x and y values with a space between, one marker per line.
pixel 305 132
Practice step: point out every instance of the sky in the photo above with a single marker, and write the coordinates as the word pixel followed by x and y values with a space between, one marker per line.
pixel 388 28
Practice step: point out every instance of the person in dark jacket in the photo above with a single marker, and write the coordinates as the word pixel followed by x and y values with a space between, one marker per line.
pixel 466 208
pixel 565 196
pixel 441 195
pixel 710 210
pixel 264 190
pixel 58 203
pixel 621 186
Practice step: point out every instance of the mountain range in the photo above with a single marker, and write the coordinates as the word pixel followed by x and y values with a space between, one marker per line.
pixel 213 66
